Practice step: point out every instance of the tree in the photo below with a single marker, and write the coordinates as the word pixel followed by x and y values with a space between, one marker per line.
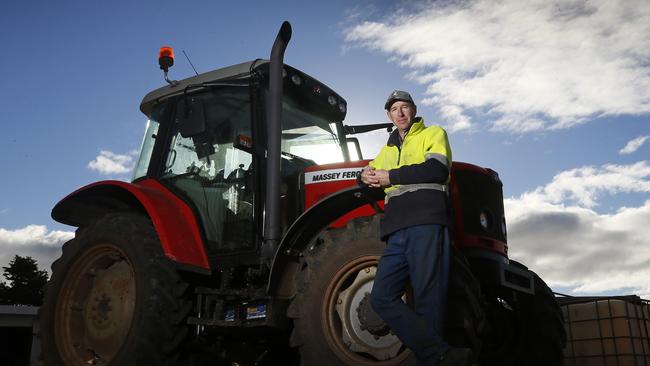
pixel 3 290
pixel 26 282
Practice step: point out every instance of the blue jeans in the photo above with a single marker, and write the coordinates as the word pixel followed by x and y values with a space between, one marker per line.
pixel 419 254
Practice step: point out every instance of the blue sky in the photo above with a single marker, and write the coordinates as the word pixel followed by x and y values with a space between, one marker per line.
pixel 548 93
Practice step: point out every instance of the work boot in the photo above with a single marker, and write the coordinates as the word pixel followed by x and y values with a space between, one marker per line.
pixel 457 357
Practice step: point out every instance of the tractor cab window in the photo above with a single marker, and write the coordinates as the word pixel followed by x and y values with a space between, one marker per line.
pixel 313 143
pixel 214 175
pixel 308 136
pixel 148 142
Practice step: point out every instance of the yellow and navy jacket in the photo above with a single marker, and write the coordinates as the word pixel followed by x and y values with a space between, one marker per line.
pixel 419 168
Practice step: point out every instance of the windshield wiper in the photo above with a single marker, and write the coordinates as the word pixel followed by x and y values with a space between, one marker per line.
pixel 355 129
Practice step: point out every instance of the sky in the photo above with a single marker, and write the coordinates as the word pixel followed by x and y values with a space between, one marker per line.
pixel 554 95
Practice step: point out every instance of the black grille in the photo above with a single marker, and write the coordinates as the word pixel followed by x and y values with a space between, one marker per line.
pixel 479 192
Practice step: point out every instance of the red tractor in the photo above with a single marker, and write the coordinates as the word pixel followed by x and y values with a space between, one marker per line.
pixel 232 244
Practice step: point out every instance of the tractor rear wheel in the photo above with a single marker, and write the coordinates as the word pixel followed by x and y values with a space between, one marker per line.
pixel 114 298
pixel 334 323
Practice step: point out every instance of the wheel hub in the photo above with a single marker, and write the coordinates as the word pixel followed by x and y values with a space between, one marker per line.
pixel 369 320
pixel 96 307
pixel 356 332
pixel 100 311
pixel 108 305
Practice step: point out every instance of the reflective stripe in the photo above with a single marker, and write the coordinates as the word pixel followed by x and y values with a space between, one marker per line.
pixel 414 187
pixel 441 158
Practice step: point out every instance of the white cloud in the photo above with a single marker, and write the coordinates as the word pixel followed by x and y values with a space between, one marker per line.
pixel 570 244
pixel 35 241
pixel 108 163
pixel 525 65
pixel 633 145
pixel 583 186
pixel 457 121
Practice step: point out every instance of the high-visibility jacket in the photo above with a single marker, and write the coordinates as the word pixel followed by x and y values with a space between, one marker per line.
pixel 419 169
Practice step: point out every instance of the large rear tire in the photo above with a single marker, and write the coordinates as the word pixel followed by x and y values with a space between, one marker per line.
pixel 114 298
pixel 333 321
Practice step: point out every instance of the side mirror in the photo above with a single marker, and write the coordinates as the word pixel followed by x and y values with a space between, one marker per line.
pixel 190 116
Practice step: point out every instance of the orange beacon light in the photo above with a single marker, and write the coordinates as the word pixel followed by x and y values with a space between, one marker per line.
pixel 166 58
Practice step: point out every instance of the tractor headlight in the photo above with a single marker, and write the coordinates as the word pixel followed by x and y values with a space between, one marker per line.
pixel 296 79
pixel 342 107
pixel 485 219
pixel 331 100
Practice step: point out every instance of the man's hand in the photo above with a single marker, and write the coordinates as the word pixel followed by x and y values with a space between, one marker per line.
pixel 375 178
pixel 368 175
pixel 382 179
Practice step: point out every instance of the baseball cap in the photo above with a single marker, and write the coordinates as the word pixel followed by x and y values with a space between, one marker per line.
pixel 398 95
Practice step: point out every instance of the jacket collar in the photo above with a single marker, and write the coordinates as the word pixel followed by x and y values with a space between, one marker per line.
pixel 416 127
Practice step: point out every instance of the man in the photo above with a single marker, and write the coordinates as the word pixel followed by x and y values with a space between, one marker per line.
pixel 414 170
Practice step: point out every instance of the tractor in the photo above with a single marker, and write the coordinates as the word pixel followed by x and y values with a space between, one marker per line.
pixel 244 238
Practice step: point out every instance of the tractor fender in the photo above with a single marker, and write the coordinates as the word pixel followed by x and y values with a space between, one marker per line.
pixel 172 218
pixel 310 224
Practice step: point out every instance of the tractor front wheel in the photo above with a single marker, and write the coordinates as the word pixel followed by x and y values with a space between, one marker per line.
pixel 524 329
pixel 545 337
pixel 114 298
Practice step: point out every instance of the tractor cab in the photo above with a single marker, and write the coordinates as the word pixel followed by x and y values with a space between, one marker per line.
pixel 205 142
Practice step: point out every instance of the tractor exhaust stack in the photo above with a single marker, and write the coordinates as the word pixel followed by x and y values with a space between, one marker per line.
pixel 272 232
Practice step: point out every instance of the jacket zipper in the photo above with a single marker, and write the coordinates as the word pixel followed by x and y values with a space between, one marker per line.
pixel 399 154
pixel 399 149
